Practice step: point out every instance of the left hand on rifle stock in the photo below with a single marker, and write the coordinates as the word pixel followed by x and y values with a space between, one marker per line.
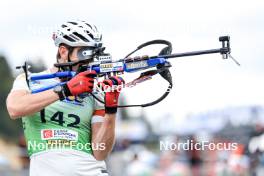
pixel 112 88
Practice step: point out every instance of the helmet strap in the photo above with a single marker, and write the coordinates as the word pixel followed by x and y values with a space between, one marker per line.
pixel 69 60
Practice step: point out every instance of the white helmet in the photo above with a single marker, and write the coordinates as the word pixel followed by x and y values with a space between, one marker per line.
pixel 78 33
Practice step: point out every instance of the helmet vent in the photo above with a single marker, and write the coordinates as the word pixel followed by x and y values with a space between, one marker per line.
pixel 90 35
pixel 68 38
pixel 89 25
pixel 74 23
pixel 81 37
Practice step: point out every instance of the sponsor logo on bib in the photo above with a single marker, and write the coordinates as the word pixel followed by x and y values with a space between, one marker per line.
pixel 48 134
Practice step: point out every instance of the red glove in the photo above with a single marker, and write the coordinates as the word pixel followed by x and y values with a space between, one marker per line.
pixel 111 96
pixel 81 83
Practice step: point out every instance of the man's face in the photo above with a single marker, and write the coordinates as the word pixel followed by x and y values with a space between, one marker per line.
pixel 73 56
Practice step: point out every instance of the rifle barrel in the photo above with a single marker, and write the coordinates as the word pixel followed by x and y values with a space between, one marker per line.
pixel 194 53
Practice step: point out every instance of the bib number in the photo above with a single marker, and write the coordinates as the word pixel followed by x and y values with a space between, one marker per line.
pixel 59 118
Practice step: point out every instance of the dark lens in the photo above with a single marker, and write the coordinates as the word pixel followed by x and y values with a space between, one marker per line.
pixel 85 53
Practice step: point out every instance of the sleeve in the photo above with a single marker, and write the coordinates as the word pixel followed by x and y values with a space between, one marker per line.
pixel 99 110
pixel 20 83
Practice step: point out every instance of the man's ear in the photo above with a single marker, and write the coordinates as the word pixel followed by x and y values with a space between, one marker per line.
pixel 63 53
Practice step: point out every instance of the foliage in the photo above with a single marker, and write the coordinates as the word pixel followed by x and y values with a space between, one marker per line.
pixel 8 128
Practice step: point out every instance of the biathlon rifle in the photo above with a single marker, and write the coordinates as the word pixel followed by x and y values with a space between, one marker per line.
pixel 106 67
